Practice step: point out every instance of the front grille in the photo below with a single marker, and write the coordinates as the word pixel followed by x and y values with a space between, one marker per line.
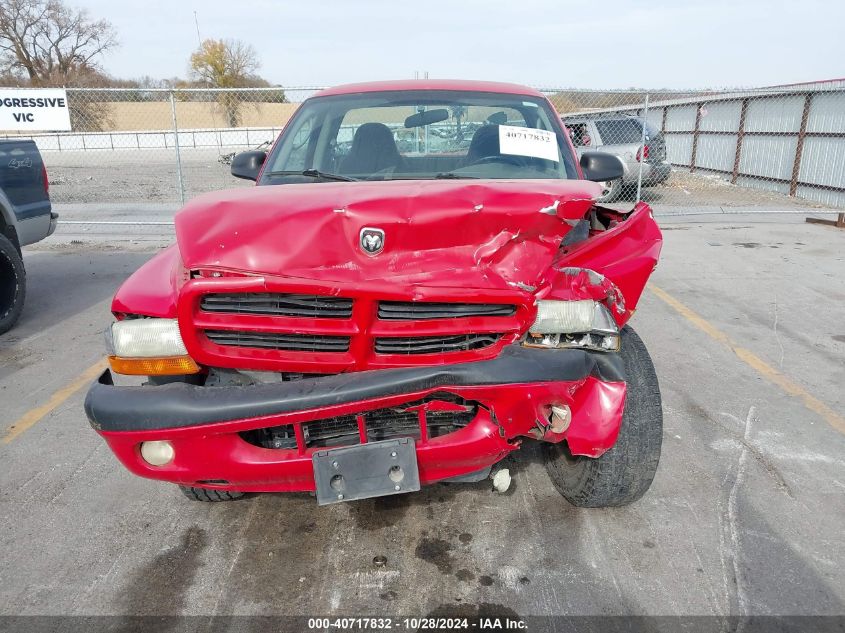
pixel 277 327
pixel 434 344
pixel 282 437
pixel 385 424
pixel 413 311
pixel 336 431
pixel 274 304
pixel 279 342
pixel 380 424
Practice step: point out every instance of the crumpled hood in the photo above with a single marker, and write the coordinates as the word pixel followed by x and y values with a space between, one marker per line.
pixel 477 234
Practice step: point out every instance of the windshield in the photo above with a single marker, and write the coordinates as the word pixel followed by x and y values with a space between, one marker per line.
pixel 421 134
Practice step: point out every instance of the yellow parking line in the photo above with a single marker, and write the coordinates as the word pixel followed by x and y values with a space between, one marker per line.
pixel 756 363
pixel 33 416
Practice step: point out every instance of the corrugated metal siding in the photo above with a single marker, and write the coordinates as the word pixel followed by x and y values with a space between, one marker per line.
pixel 721 117
pixel 772 125
pixel 827 113
pixel 679 148
pixel 763 185
pixel 716 152
pixel 681 119
pixel 832 198
pixel 768 156
pixel 774 114
pixel 655 117
pixel 823 161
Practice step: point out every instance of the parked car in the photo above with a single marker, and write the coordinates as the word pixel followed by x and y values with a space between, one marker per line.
pixel 25 217
pixel 364 322
pixel 622 136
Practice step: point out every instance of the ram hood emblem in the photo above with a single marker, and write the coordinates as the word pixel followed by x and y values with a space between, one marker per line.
pixel 372 240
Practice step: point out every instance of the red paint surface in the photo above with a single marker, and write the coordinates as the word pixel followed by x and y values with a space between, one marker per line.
pixel 363 327
pixel 469 234
pixel 153 289
pixel 446 241
pixel 218 452
pixel 430 84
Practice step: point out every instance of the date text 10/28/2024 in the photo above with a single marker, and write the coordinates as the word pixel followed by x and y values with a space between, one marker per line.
pixel 418 624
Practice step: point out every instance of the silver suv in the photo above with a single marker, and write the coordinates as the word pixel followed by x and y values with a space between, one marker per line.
pixel 621 135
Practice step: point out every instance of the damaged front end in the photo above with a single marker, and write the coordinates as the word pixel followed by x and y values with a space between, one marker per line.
pixel 490 314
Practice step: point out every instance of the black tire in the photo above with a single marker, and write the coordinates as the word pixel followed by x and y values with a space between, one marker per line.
pixel 12 284
pixel 207 494
pixel 611 191
pixel 625 472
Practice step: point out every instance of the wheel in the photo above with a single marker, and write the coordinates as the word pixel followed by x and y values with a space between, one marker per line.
pixel 207 494
pixel 12 284
pixel 611 190
pixel 625 472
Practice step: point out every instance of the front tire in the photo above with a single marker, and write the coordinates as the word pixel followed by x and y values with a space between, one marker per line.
pixel 625 472
pixel 208 494
pixel 12 284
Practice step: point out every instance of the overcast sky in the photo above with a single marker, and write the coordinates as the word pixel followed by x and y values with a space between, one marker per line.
pixel 544 43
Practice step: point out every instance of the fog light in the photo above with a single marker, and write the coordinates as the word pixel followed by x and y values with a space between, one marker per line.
pixel 158 453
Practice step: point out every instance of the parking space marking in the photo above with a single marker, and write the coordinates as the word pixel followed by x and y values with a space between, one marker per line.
pixel 35 415
pixel 756 363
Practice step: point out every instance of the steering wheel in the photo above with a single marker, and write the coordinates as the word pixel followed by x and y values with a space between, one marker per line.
pixel 500 158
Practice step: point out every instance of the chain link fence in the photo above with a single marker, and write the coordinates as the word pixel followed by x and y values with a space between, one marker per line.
pixel 159 145
pixel 767 149
pixel 772 149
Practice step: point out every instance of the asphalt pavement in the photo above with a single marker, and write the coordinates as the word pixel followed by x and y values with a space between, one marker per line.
pixel 744 321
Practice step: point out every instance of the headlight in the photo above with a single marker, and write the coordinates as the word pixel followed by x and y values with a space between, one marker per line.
pixel 563 316
pixel 148 347
pixel 586 324
pixel 146 338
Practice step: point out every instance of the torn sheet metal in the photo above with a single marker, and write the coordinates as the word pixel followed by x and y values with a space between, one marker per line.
pixel 490 236
pixel 487 234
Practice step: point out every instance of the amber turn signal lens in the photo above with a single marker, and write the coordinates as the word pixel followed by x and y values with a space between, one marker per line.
pixel 169 366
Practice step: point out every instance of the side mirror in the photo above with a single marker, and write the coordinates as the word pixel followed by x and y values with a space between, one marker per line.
pixel 247 165
pixel 597 166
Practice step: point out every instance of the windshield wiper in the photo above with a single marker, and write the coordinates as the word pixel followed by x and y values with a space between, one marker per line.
pixel 314 173
pixel 450 175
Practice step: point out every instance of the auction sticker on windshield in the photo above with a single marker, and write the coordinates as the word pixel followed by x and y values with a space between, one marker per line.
pixel 524 141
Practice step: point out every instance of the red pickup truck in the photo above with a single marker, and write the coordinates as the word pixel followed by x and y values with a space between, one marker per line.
pixel 421 283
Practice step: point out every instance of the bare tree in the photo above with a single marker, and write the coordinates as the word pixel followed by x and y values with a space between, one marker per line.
pixel 49 42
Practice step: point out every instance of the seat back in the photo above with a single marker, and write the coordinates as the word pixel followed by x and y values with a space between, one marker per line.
pixel 373 149
pixel 484 143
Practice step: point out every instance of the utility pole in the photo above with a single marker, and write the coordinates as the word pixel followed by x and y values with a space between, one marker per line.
pixel 197 23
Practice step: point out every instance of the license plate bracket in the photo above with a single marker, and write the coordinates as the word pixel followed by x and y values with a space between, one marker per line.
pixel 374 469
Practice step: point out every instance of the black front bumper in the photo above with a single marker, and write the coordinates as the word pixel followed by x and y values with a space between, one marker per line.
pixel 112 408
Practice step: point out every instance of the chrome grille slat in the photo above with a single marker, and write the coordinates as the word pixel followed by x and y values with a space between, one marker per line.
pixel 434 344
pixel 413 311
pixel 276 304
pixel 279 342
